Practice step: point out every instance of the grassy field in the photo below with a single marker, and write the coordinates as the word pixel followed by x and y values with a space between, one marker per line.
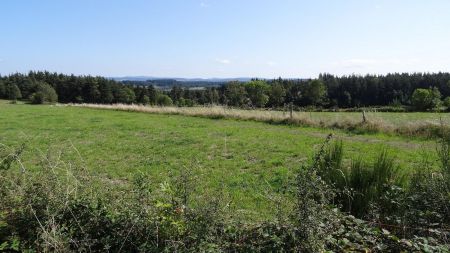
pixel 394 119
pixel 246 158
pixel 415 124
pixel 390 118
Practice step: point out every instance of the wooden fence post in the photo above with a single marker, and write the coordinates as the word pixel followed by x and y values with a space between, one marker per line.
pixel 291 108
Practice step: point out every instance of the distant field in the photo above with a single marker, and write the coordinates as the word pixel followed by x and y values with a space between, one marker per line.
pixel 247 158
pixel 406 124
pixel 390 118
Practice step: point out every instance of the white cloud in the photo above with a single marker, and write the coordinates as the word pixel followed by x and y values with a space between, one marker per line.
pixel 223 61
pixel 271 63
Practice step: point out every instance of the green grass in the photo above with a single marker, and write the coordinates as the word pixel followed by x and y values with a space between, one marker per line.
pixel 425 125
pixel 397 119
pixel 244 157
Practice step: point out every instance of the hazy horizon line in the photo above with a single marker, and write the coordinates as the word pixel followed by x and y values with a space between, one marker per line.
pixel 224 77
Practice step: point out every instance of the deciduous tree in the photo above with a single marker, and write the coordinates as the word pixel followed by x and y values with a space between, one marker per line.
pixel 44 94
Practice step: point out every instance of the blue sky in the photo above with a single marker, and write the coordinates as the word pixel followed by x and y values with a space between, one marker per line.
pixel 224 38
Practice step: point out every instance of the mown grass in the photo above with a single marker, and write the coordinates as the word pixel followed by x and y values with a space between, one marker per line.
pixel 245 158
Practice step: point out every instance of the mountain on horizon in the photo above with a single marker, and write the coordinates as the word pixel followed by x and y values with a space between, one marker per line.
pixel 151 78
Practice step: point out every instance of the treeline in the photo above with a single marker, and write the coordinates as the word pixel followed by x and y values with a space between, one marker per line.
pixel 78 89
pixel 421 91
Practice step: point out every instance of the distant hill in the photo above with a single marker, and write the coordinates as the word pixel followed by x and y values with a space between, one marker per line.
pixel 167 83
pixel 147 78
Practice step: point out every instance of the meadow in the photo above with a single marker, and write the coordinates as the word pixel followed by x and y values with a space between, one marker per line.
pixel 246 158
pixel 100 178
pixel 411 124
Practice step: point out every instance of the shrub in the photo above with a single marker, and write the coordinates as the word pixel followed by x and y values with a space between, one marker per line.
pixel 145 100
pixel 257 91
pixel 164 100
pixel 44 94
pixel 426 99
pixel 427 204
pixel 312 210
pixel 13 92
pixel 124 95
pixel 316 92
pixel 446 102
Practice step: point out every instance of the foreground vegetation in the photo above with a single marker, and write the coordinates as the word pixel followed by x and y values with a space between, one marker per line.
pixel 62 207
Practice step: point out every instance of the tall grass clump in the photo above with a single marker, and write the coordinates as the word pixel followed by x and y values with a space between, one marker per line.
pixel 330 164
pixel 368 183
pixel 359 184
pixel 374 191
